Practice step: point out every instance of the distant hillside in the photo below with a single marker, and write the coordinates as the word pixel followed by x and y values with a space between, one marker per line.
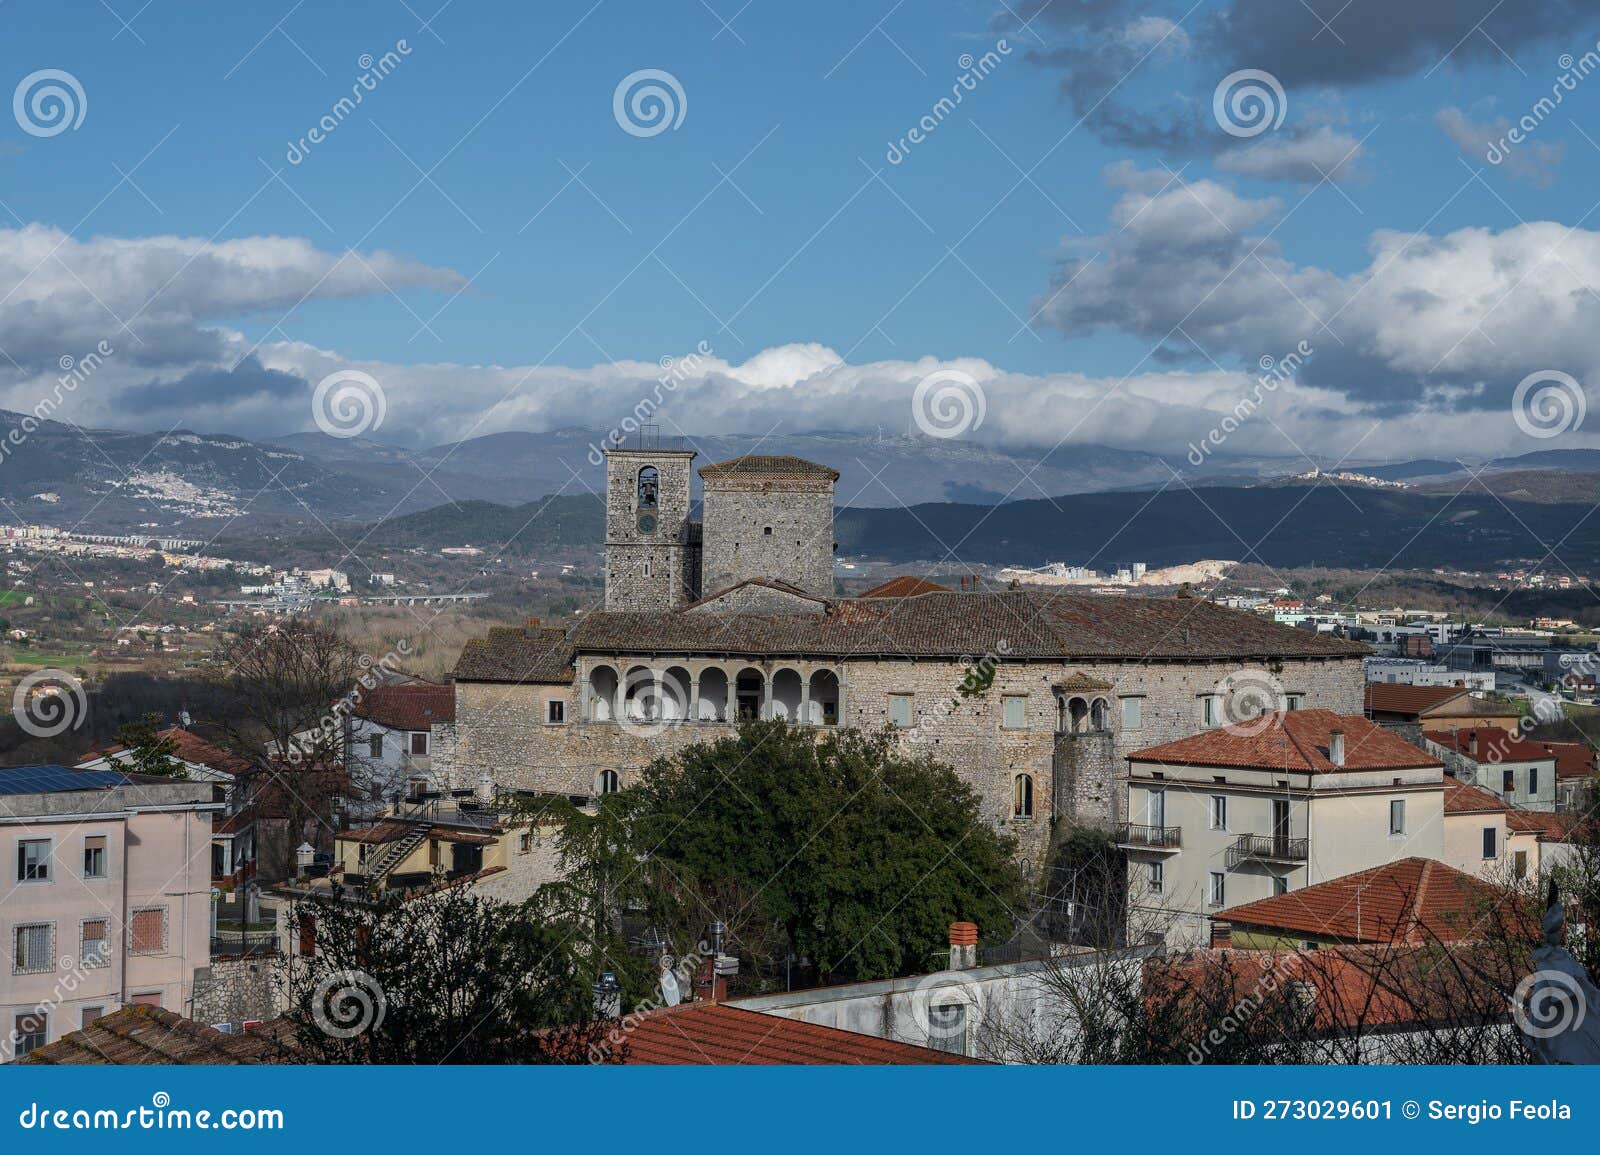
pixel 1302 525
pixel 1546 486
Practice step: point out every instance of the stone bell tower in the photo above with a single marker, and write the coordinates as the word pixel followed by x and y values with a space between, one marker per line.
pixel 652 548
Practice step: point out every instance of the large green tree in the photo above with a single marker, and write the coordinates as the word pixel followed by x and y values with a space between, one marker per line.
pixel 832 846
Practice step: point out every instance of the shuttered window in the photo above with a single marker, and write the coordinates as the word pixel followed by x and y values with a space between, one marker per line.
pixel 96 950
pixel 147 931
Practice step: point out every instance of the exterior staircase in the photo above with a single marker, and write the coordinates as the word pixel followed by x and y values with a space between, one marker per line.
pixel 395 854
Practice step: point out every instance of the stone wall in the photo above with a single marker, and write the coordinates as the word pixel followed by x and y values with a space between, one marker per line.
pixel 768 528
pixel 501 730
pixel 236 990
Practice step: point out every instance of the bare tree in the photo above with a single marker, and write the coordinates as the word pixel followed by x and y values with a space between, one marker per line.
pixel 289 685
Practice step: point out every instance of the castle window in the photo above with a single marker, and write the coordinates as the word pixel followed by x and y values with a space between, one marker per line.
pixel 555 712
pixel 1015 711
pixel 649 487
pixel 606 782
pixel 1132 713
pixel 766 531
pixel 1022 797
pixel 900 710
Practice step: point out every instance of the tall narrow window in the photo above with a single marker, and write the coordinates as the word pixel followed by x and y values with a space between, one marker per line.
pixel 1219 812
pixel 1219 888
pixel 1490 842
pixel 1022 800
pixel 1397 816
pixel 900 710
pixel 649 488
pixel 1016 711
pixel 96 947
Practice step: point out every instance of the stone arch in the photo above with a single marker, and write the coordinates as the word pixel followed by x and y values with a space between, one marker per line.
pixel 1099 716
pixel 713 694
pixel 824 708
pixel 607 782
pixel 648 488
pixel 1077 715
pixel 640 700
pixel 675 694
pixel 786 694
pixel 602 687
pixel 750 692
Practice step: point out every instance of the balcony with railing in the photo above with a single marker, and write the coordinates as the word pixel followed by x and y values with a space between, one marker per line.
pixel 1267 848
pixel 1139 836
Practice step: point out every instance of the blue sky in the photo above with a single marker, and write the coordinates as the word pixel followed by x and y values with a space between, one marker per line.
pixel 549 242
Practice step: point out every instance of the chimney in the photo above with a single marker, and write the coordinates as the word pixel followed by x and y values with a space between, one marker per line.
pixel 486 790
pixel 1472 742
pixel 607 996
pixel 1221 933
pixel 963 946
pixel 1336 747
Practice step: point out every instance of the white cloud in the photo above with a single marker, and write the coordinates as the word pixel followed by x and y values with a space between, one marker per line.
pixel 1321 152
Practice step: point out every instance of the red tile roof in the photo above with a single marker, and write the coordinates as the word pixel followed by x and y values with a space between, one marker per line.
pixel 1292 740
pixel 138 1035
pixel 715 1033
pixel 1573 759
pixel 1491 744
pixel 905 586
pixel 1412 900
pixel 1552 827
pixel 1387 698
pixel 1463 798
pixel 187 745
pixel 763 465
pixel 407 705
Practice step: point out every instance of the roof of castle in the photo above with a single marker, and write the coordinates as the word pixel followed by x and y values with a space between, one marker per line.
pixel 754 465
pixel 1018 625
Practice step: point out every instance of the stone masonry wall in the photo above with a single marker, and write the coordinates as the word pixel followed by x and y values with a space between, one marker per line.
pixel 739 512
pixel 648 571
pixel 236 990
pixel 500 727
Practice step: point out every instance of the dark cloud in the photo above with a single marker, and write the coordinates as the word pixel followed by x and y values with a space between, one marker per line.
pixel 214 388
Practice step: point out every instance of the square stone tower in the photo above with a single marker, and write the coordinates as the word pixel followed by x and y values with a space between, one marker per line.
pixel 652 548
pixel 768 517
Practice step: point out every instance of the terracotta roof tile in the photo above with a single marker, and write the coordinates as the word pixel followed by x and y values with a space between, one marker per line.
pixel 1292 740
pixel 1387 698
pixel 1412 900
pixel 905 586
pixel 1463 798
pixel 1489 744
pixel 715 1033
pixel 1553 827
pixel 139 1035
pixel 1021 624
pixel 407 705
pixel 756 465
pixel 1573 759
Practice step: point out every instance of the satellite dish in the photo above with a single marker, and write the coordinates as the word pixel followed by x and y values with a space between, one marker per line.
pixel 670 994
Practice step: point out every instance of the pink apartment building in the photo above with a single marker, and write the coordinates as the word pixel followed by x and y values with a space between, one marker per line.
pixel 105 896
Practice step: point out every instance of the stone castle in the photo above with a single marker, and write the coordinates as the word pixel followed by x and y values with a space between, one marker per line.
pixel 735 616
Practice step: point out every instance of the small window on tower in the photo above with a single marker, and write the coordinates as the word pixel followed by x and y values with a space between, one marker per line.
pixel 766 531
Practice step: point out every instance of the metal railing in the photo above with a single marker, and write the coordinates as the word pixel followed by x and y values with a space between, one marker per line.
pixel 1159 837
pixel 1268 848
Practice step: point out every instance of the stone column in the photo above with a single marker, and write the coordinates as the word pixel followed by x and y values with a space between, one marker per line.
pixel 805 700
pixel 694 697
pixel 730 712
pixel 765 711
pixel 618 696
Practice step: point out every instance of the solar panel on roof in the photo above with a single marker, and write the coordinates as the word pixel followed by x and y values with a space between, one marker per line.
pixel 56 779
